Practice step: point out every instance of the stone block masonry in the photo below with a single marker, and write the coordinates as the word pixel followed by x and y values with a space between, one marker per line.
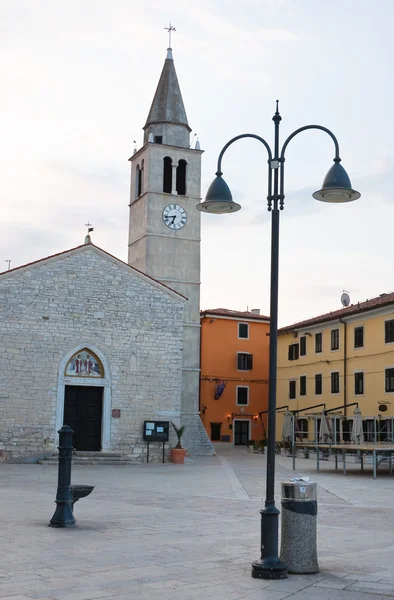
pixel 85 298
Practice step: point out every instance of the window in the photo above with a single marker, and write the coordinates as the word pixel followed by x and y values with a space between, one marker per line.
pixel 243 330
pixel 369 430
pixel 358 337
pixel 244 361
pixel 138 180
pixel 242 395
pixel 389 331
pixel 335 339
pixel 158 139
pixel 302 428
pixel 292 389
pixel 358 383
pixel 181 177
pixel 293 351
pixel 347 430
pixel 167 175
pixel 303 385
pixel 303 345
pixel 384 431
pixel 318 384
pixel 335 383
pixel 389 376
pixel 318 343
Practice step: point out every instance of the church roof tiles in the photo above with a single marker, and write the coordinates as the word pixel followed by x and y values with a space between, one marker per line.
pixel 354 309
pixel 236 314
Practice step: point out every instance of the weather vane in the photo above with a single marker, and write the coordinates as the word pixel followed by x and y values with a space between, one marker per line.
pixel 89 226
pixel 169 29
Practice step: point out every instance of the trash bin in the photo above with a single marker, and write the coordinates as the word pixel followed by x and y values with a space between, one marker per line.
pixel 299 512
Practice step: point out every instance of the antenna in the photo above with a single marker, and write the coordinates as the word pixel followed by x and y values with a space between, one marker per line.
pixel 345 299
pixel 190 145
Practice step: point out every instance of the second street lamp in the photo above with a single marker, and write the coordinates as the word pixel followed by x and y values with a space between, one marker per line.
pixel 336 189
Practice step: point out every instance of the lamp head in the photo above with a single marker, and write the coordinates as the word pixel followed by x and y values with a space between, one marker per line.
pixel 218 199
pixel 336 186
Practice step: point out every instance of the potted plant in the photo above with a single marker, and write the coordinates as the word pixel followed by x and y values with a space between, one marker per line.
pixel 178 453
pixel 262 445
pixel 250 446
pixel 287 447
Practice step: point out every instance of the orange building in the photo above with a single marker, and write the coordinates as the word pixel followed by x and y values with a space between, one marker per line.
pixel 234 374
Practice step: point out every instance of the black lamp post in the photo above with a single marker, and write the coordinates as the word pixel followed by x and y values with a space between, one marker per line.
pixel 336 188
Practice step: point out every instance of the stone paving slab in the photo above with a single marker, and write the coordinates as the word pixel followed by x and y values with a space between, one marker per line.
pixel 188 533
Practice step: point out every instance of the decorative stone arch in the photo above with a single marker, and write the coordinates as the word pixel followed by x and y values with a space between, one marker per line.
pixel 104 382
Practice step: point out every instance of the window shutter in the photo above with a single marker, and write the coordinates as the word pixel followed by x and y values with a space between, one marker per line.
pixel 249 362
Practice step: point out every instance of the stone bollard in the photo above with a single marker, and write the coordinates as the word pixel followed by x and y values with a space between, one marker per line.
pixel 299 516
pixel 63 516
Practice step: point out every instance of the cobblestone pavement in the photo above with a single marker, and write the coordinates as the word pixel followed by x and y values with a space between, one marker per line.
pixel 189 532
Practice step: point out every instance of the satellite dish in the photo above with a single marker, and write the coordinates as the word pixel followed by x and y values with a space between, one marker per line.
pixel 345 299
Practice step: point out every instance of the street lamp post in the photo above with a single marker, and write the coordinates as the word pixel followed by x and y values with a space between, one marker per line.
pixel 336 189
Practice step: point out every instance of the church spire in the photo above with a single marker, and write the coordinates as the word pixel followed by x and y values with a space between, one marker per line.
pixel 167 119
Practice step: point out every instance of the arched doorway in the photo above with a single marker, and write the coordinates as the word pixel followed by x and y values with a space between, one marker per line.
pixel 84 398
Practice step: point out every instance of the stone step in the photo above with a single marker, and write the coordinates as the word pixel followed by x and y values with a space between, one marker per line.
pixel 89 462
pixel 90 458
pixel 84 453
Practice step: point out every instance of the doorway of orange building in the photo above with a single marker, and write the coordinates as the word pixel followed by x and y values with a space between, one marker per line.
pixel 215 432
pixel 241 432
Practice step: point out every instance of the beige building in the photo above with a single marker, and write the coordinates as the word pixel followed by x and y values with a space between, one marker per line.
pixel 340 360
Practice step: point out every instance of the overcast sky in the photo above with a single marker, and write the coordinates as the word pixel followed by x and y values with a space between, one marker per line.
pixel 78 78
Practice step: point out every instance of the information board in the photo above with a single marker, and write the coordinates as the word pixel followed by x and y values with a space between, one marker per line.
pixel 156 431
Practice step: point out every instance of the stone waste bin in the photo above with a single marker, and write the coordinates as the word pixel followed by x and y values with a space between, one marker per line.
pixel 299 512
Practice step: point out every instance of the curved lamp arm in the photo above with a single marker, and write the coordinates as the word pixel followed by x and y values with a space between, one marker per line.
pixel 256 137
pixel 238 137
pixel 296 132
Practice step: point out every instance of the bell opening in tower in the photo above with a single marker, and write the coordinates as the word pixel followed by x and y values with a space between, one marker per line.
pixel 167 174
pixel 181 178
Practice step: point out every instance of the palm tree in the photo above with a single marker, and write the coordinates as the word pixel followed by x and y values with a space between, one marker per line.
pixel 179 433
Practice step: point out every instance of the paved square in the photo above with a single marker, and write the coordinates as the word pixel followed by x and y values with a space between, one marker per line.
pixel 188 532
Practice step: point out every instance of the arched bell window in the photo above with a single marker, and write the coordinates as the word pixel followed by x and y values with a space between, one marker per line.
pixel 181 177
pixel 139 173
pixel 84 363
pixel 167 174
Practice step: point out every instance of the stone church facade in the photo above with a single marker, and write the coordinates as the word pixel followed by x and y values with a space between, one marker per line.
pixel 89 341
pixel 86 303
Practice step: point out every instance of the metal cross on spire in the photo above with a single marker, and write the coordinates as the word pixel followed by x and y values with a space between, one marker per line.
pixel 169 29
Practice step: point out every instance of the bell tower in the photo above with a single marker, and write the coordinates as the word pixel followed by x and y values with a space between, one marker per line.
pixel 165 228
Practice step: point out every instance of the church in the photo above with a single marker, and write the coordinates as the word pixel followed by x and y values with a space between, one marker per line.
pixel 103 346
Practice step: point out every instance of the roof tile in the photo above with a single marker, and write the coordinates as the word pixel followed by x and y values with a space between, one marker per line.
pixel 353 309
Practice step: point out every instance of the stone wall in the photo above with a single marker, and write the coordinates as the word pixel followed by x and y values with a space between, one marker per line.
pixel 86 297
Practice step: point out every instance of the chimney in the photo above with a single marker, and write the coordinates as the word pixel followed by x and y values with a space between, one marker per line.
pixel 255 311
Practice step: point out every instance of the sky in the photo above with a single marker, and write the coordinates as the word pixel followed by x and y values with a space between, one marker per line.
pixel 78 79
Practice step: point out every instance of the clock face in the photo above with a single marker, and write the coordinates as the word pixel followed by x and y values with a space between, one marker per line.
pixel 174 216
